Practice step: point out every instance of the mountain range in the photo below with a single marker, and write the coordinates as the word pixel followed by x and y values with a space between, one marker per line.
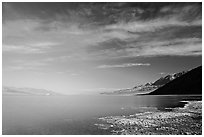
pixel 148 87
pixel 27 91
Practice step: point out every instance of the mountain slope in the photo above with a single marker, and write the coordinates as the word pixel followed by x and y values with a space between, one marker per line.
pixel 189 83
pixel 168 78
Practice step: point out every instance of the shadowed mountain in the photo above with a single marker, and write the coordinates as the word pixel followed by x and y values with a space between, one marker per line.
pixel 27 91
pixel 189 83
pixel 168 78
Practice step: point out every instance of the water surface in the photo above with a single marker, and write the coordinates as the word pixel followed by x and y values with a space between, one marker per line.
pixel 75 114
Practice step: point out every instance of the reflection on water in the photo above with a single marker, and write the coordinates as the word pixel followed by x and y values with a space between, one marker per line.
pixel 75 114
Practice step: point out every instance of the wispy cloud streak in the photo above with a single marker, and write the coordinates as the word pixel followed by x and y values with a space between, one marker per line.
pixel 124 65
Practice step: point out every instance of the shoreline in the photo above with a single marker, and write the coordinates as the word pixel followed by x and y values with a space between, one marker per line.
pixel 179 121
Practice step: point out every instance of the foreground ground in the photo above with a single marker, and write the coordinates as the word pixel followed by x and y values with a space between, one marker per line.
pixel 177 121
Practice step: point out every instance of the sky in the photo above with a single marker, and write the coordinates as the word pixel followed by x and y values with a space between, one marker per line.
pixel 90 47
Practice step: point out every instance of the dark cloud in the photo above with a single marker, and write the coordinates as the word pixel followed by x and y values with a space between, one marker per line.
pixel 168 36
pixel 101 13
pixel 173 32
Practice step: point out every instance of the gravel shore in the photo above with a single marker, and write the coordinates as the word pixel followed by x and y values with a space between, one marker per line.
pixel 179 121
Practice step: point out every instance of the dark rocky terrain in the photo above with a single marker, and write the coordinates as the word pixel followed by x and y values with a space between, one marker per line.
pixel 189 83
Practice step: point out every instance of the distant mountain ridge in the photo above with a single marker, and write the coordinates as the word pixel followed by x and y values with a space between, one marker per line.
pixel 188 83
pixel 148 87
pixel 168 78
pixel 26 91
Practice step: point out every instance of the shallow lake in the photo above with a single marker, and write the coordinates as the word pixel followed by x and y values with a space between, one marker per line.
pixel 75 114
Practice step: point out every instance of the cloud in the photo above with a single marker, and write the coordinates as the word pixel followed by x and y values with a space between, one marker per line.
pixel 123 65
pixel 35 48
pixel 21 49
pixel 152 25
pixel 44 44
pixel 103 31
pixel 162 73
pixel 19 36
pixel 74 74
pixel 149 47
